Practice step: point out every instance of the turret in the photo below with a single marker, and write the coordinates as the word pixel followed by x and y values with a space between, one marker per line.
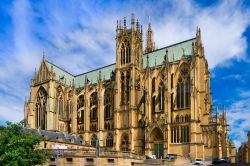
pixel 150 46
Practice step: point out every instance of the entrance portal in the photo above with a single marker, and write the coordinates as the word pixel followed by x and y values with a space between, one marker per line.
pixel 156 138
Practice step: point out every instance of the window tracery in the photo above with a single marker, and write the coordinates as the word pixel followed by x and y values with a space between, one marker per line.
pixel 93 140
pixel 41 112
pixel 109 140
pixel 183 89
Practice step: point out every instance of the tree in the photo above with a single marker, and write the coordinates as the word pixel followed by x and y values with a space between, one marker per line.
pixel 17 146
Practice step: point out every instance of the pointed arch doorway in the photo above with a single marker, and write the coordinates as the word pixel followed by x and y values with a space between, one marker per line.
pixel 157 139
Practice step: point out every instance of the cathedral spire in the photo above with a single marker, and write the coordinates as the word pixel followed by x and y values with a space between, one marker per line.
pixel 150 43
pixel 43 56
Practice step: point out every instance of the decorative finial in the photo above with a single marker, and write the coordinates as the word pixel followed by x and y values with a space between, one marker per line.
pixel 137 25
pixel 124 23
pixel 100 75
pixel 43 56
pixel 132 21
pixel 166 56
pixel 35 74
pixel 147 61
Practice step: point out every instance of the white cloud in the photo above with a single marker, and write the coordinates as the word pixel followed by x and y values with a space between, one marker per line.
pixel 238 118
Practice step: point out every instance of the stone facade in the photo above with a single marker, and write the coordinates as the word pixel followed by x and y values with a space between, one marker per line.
pixel 151 101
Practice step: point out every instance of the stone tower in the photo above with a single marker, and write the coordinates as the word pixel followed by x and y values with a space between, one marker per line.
pixel 128 74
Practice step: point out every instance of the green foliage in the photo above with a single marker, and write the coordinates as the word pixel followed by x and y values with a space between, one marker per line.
pixel 17 146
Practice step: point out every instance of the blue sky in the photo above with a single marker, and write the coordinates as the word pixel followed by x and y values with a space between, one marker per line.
pixel 80 36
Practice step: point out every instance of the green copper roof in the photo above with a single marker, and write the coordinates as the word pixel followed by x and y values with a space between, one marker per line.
pixel 175 52
pixel 61 75
pixel 93 76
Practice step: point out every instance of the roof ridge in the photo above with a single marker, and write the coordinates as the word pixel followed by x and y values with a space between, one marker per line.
pixel 170 46
pixel 60 68
pixel 95 69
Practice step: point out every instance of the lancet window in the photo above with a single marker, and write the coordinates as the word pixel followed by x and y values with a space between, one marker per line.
pixel 109 140
pixel 41 112
pixel 107 104
pixel 93 140
pixel 125 87
pixel 125 143
pixel 183 90
pixel 93 106
pixel 80 109
pixel 125 54
pixel 161 96
pixel 180 134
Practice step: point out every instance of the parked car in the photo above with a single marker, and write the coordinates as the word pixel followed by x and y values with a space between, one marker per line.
pixel 225 160
pixel 151 157
pixel 216 161
pixel 171 156
pixel 198 162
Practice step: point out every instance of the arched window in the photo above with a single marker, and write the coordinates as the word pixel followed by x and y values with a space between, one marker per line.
pixel 41 112
pixel 80 102
pixel 177 119
pixel 187 95
pixel 128 54
pixel 122 88
pixel 107 104
pixel 153 104
pixel 182 119
pixel 109 140
pixel 153 85
pixel 125 143
pixel 80 110
pixel 122 55
pixel 61 110
pixel 93 140
pixel 186 118
pixel 93 106
pixel 128 87
pixel 161 96
pixel 183 90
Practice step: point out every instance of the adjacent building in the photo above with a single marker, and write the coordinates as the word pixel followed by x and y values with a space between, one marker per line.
pixel 150 101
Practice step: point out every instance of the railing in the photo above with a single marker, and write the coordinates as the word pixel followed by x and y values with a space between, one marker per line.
pixel 91 152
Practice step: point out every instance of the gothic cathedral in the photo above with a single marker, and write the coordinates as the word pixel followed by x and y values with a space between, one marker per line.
pixel 150 101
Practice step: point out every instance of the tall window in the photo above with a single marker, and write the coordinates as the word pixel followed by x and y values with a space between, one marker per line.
pixel 93 140
pixel 183 90
pixel 125 87
pixel 128 54
pixel 172 80
pixel 153 85
pixel 122 88
pixel 93 111
pixel 187 93
pixel 61 110
pixel 128 87
pixel 93 106
pixel 161 96
pixel 125 143
pixel 109 140
pixel 41 112
pixel 153 104
pixel 122 55
pixel 107 104
pixel 80 109
pixel 180 134
pixel 125 54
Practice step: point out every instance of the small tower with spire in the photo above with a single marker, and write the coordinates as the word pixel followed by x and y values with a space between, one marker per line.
pixel 150 45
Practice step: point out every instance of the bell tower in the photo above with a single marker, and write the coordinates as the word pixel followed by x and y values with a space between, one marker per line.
pixel 129 68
